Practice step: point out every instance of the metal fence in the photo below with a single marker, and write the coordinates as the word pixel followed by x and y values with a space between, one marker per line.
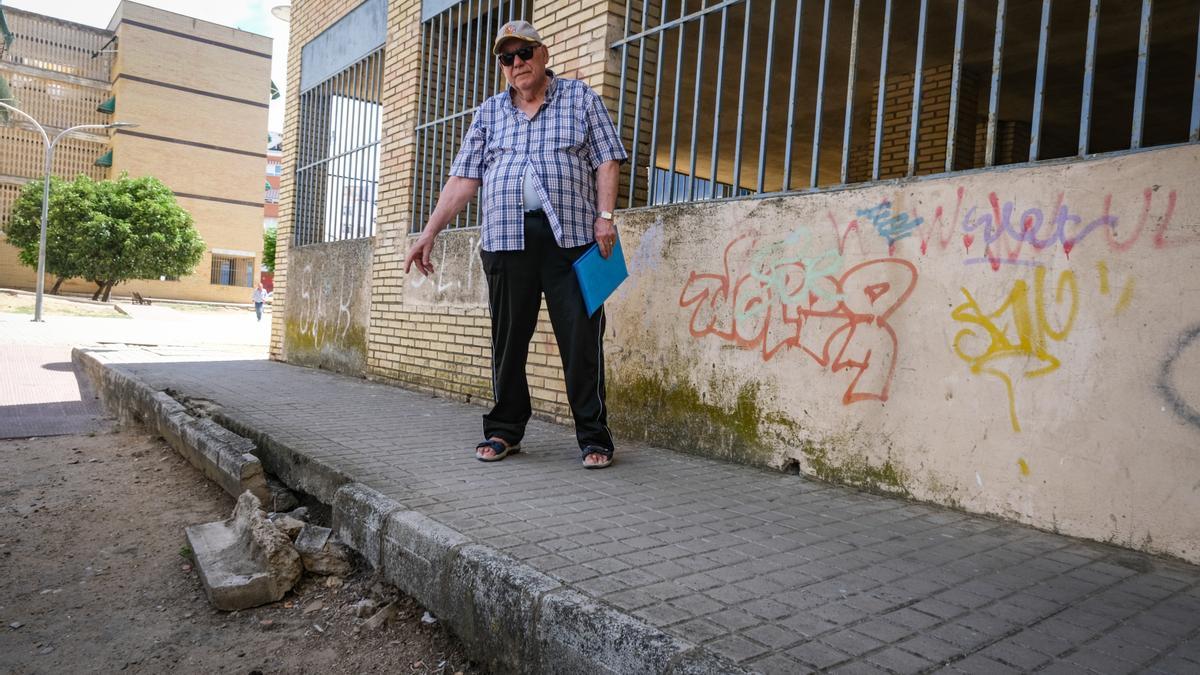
pixel 458 74
pixel 337 174
pixel 733 97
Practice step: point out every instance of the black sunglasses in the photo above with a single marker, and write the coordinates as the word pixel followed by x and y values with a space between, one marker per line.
pixel 525 53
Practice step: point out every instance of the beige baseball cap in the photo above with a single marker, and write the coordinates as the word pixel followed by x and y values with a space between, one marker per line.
pixel 520 30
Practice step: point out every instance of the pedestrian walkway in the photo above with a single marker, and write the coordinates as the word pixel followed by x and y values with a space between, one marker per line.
pixel 778 573
pixel 41 395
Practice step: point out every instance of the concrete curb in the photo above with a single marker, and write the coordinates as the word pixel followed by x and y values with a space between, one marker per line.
pixel 296 470
pixel 510 616
pixel 224 457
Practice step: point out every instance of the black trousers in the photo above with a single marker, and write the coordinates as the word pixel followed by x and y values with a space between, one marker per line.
pixel 516 282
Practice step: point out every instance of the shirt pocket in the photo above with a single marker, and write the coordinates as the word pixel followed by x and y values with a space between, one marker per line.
pixel 564 132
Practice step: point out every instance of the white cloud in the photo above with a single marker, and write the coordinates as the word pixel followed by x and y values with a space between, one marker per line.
pixel 249 15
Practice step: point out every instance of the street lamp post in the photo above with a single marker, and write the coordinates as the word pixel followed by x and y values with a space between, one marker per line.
pixel 41 269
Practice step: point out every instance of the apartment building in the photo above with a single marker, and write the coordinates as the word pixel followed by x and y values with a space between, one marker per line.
pixel 198 93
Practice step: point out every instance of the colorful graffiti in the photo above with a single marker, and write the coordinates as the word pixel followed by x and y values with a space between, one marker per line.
pixel 786 293
pixel 1018 335
pixel 1005 232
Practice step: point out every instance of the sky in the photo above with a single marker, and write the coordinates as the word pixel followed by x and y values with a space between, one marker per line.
pixel 249 15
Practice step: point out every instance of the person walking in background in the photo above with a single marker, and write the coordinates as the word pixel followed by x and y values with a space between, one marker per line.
pixel 548 158
pixel 260 296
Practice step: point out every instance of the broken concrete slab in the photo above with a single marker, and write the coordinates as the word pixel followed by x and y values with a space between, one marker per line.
pixel 320 553
pixel 244 561
pixel 288 525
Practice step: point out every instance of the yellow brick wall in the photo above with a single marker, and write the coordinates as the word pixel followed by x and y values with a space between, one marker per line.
pixel 934 128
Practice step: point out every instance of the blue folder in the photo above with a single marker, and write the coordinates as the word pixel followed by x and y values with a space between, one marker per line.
pixel 599 276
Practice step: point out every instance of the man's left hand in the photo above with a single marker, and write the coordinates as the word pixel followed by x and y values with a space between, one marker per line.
pixel 606 236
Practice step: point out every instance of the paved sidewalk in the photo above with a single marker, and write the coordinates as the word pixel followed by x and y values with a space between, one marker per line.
pixel 41 395
pixel 776 572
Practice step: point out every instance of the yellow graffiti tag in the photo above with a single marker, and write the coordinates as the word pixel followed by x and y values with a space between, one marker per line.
pixel 1126 293
pixel 1026 337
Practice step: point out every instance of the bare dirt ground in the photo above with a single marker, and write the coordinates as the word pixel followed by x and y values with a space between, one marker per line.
pixel 94 577
pixel 21 303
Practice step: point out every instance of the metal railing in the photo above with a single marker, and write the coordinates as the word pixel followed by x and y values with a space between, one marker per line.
pixel 337 163
pixel 459 74
pixel 732 97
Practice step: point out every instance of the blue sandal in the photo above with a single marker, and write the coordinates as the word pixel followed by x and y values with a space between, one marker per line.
pixel 500 449
pixel 597 450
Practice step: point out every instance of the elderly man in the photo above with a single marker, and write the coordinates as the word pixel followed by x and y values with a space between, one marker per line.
pixel 548 158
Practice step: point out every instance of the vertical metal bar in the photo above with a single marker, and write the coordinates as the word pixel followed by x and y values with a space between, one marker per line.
pixel 637 111
pixel 1039 86
pixel 1085 112
pixel 298 172
pixel 360 162
pixel 468 74
pixel 350 161
pixel 459 85
pixel 1194 128
pixel 955 86
pixel 791 115
pixel 489 62
pixel 696 107
pixel 624 68
pixel 989 153
pixel 678 78
pixel 419 141
pixel 883 68
pixel 716 143
pixel 741 116
pixel 423 156
pixel 918 80
pixel 816 142
pixel 436 130
pixel 652 197
pixel 850 78
pixel 762 137
pixel 373 153
pixel 1139 94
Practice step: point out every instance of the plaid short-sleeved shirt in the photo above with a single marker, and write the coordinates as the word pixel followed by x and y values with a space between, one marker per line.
pixel 569 137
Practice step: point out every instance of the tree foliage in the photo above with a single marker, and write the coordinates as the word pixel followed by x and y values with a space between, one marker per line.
pixel 107 232
pixel 269 238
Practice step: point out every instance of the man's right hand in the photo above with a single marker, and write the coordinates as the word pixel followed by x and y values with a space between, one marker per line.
pixel 419 253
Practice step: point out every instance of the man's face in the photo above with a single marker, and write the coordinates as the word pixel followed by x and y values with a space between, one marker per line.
pixel 524 73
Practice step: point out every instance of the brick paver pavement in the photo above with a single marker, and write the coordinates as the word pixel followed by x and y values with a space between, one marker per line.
pixel 777 572
pixel 40 394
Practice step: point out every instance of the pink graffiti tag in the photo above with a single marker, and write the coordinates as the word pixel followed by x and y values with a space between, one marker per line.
pixel 797 301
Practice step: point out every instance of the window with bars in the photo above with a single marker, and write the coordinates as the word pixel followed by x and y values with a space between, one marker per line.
pixel 458 74
pixel 725 98
pixel 231 271
pixel 337 174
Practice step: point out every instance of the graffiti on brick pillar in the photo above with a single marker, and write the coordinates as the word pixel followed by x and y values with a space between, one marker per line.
pixel 1023 338
pixel 448 276
pixel 789 294
pixel 324 311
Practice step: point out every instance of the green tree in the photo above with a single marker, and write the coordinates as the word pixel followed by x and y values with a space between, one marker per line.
pixel 269 238
pixel 107 232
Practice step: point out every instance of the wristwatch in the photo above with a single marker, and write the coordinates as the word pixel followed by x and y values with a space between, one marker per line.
pixel 607 215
